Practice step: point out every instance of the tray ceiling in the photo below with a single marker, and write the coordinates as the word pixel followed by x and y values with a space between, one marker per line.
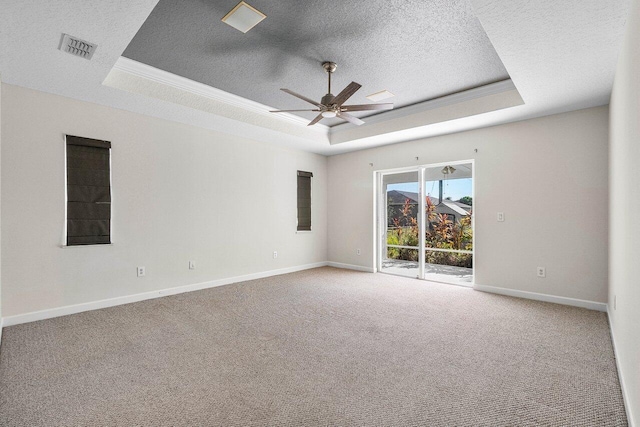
pixel 419 50
pixel 560 55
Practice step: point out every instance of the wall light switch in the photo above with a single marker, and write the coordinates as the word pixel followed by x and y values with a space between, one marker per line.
pixel 500 216
pixel 141 271
pixel 192 265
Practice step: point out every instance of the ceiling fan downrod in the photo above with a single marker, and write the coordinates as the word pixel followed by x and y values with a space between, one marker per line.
pixel 329 67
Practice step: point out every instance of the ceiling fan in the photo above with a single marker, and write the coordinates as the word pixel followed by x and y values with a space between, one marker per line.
pixel 333 106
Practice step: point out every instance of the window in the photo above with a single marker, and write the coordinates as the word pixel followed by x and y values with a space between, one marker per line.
pixel 304 200
pixel 88 191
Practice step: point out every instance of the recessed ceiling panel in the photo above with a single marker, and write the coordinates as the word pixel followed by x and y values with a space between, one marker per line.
pixel 416 49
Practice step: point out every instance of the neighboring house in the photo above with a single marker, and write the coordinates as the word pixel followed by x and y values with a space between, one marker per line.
pixel 396 200
pixel 457 203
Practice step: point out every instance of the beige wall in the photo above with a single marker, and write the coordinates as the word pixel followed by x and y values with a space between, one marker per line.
pixel 549 177
pixel 624 278
pixel 179 193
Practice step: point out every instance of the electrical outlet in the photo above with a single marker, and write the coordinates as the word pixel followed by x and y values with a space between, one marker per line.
pixel 500 216
pixel 275 254
pixel 141 271
pixel 192 265
pixel 358 252
pixel 542 272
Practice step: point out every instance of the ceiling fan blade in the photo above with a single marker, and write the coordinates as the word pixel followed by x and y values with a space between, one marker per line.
pixel 288 111
pixel 364 107
pixel 346 93
pixel 304 98
pixel 316 120
pixel 348 117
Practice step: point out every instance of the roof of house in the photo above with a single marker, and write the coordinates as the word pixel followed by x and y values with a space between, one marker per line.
pixel 398 197
pixel 454 207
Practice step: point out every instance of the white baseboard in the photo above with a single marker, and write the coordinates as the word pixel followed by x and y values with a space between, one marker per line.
pixel 591 305
pixel 625 396
pixel 351 267
pixel 96 305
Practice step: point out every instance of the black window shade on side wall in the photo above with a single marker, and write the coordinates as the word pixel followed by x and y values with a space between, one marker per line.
pixel 304 200
pixel 88 191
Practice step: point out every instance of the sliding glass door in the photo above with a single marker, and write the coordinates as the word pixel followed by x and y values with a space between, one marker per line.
pixel 449 223
pixel 425 222
pixel 400 240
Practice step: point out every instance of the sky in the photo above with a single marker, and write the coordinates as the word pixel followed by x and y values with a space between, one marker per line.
pixel 454 188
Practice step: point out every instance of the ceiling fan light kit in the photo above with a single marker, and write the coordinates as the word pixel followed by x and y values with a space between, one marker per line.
pixel 333 106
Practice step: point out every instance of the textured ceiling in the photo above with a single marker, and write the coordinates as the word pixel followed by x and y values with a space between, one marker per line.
pixel 561 56
pixel 417 49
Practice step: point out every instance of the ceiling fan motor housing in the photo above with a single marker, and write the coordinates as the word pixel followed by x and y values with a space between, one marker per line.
pixel 327 100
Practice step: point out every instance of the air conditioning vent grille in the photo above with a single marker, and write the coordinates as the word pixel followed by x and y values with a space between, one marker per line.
pixel 77 47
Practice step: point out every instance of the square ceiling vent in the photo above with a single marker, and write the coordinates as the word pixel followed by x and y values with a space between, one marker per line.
pixel 77 47
pixel 243 17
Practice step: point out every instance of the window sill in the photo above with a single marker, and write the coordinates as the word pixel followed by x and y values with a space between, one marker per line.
pixel 304 231
pixel 84 246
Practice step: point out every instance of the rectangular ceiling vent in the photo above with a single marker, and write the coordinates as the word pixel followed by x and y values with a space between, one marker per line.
pixel 77 47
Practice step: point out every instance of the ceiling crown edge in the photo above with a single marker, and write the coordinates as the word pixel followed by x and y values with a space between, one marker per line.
pixel 139 69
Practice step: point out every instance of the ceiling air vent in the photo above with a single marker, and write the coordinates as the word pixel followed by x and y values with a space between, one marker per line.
pixel 77 47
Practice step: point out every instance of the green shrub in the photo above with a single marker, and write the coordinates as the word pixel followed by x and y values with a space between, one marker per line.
pixel 441 233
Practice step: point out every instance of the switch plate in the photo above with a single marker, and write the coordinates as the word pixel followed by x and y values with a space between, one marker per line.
pixel 275 254
pixel 542 272
pixel 500 216
pixel 141 271
pixel 192 265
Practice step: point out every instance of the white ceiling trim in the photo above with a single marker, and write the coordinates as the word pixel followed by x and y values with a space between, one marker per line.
pixel 163 77
pixel 416 121
pixel 433 104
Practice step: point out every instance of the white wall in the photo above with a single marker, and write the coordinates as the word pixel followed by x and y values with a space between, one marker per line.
pixel 180 193
pixel 549 177
pixel 0 206
pixel 624 278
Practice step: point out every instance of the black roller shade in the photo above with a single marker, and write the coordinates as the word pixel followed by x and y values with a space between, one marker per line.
pixel 304 201
pixel 88 191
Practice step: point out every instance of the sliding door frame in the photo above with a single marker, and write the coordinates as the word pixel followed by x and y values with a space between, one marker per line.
pixel 380 214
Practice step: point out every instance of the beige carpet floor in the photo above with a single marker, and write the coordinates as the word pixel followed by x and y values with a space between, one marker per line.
pixel 323 347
